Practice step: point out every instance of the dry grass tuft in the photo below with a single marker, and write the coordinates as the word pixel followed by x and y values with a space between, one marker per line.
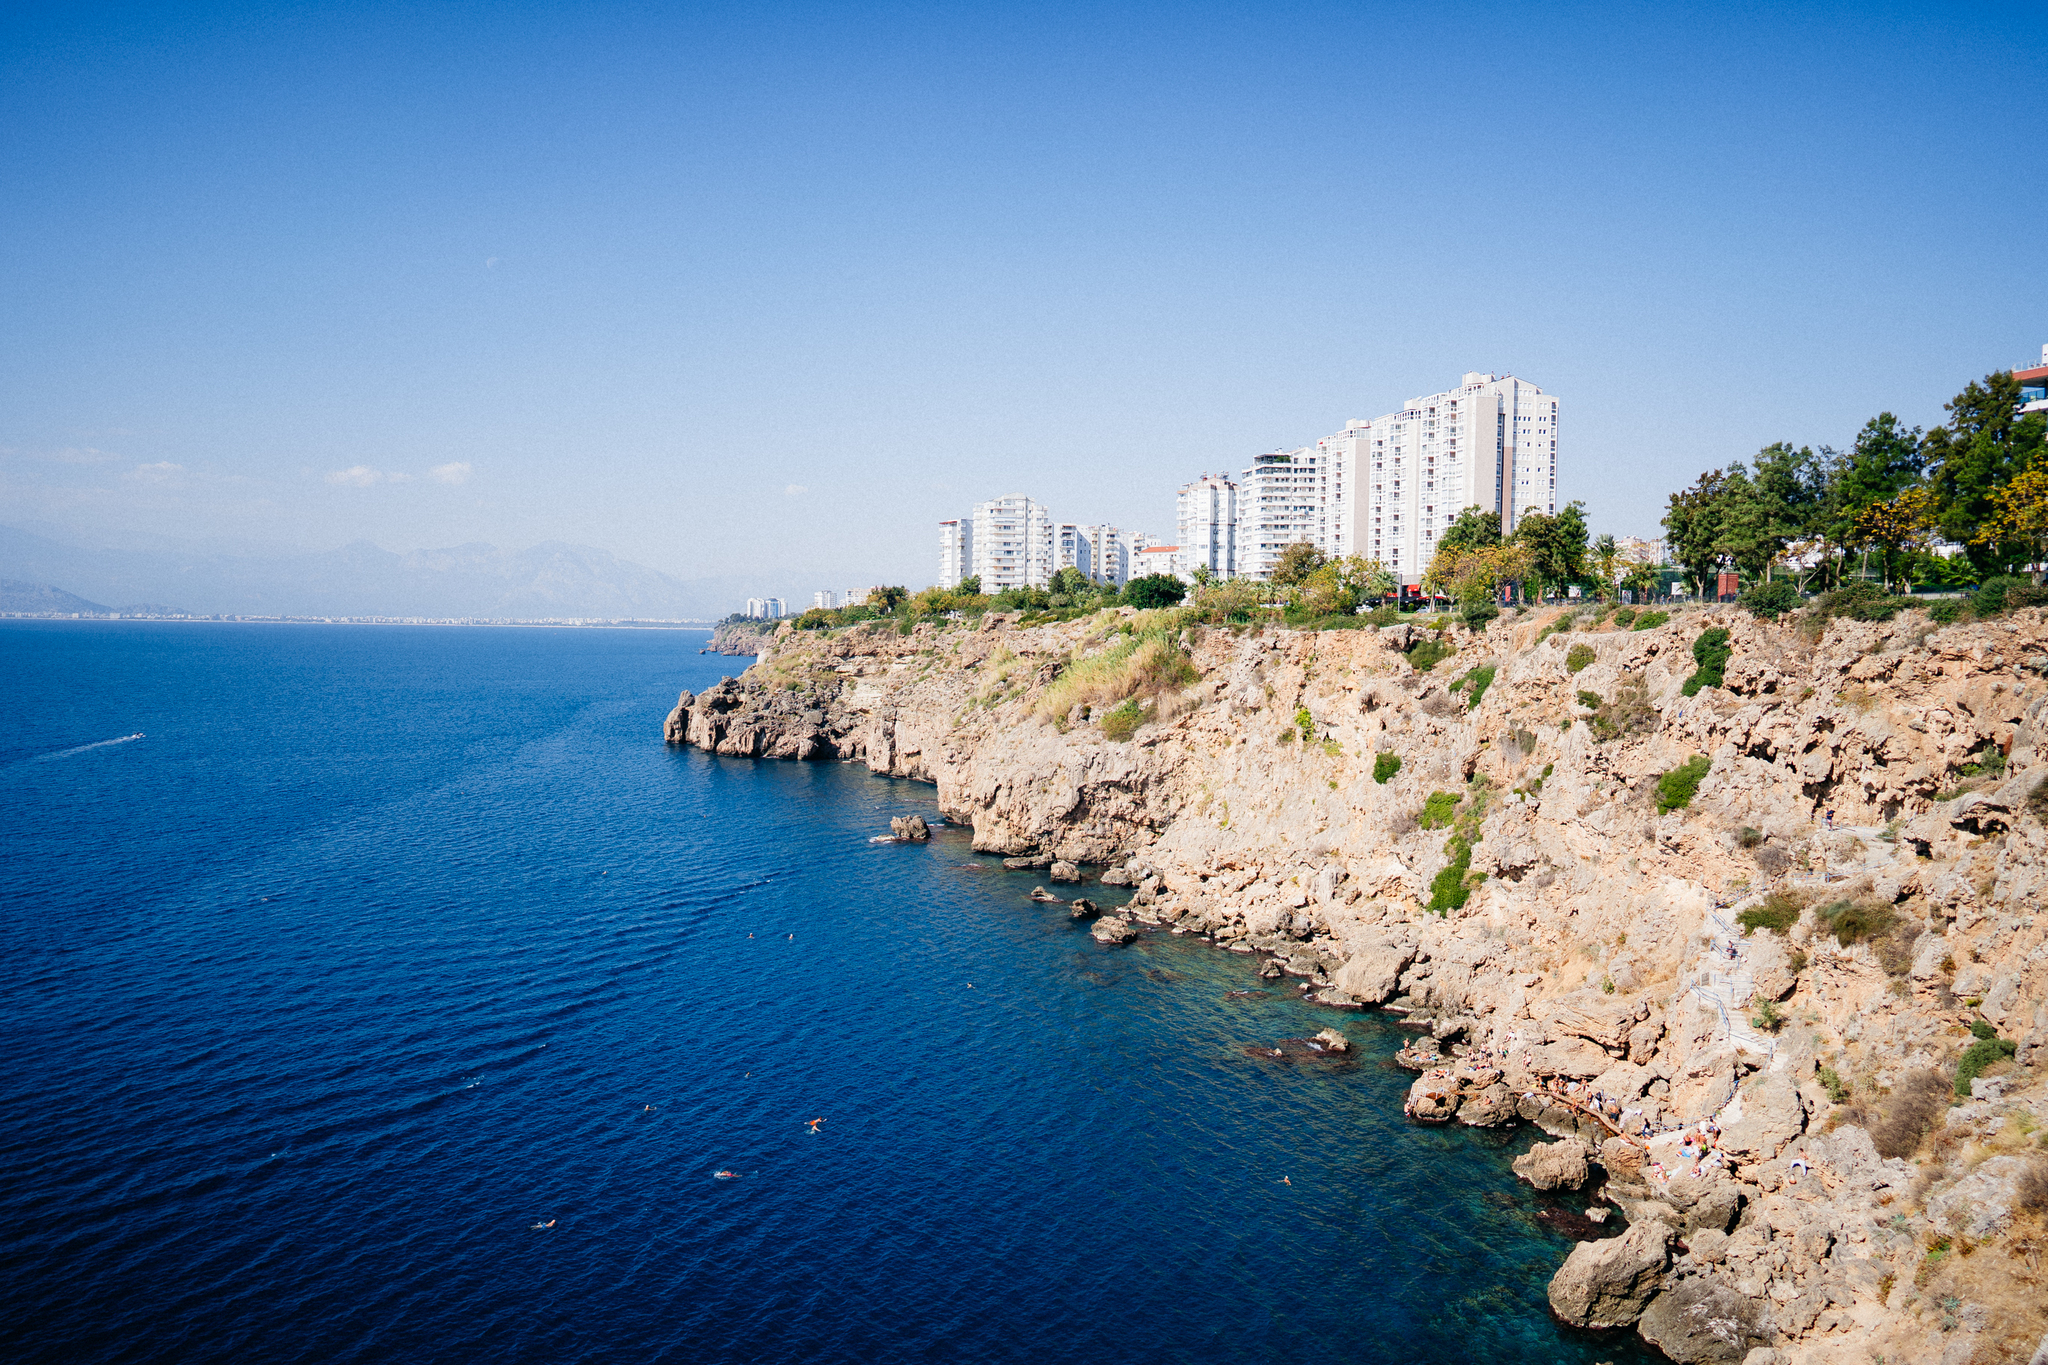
pixel 1136 666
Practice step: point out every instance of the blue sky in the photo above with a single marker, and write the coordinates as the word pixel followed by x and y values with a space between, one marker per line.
pixel 774 288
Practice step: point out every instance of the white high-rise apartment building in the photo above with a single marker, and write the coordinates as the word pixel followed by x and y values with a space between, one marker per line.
pixel 1071 549
pixel 1013 543
pixel 1109 559
pixel 956 552
pixel 823 600
pixel 1489 443
pixel 1206 520
pixel 1282 498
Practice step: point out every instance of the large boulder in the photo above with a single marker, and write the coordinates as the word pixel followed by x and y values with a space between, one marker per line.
pixel 1489 1107
pixel 1607 1283
pixel 1772 1115
pixel 911 829
pixel 1113 929
pixel 1373 973
pixel 1064 871
pixel 1702 1319
pixel 1433 1098
pixel 1557 1165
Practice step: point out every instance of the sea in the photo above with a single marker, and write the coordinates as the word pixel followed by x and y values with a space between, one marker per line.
pixel 395 994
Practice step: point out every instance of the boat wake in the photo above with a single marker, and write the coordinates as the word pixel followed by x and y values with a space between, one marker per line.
pixel 82 748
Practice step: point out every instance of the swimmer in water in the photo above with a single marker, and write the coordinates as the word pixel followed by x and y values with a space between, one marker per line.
pixel 1285 1181
pixel 727 1175
pixel 539 1226
pixel 815 1123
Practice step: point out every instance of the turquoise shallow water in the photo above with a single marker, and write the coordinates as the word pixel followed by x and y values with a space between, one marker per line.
pixel 374 951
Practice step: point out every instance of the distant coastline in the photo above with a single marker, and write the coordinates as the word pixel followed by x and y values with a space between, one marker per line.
pixel 600 623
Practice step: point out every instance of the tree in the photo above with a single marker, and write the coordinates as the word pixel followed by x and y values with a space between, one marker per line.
pixel 1692 528
pixel 1154 590
pixel 1903 523
pixel 1556 545
pixel 1204 575
pixel 1297 562
pixel 1986 444
pixel 970 586
pixel 1068 581
pixel 886 599
pixel 1343 585
pixel 2019 514
pixel 1474 578
pixel 1474 529
pixel 1606 555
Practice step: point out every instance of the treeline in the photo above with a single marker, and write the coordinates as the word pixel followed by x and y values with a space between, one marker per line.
pixel 1070 592
pixel 1952 507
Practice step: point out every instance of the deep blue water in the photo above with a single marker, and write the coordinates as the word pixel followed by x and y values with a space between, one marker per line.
pixel 371 954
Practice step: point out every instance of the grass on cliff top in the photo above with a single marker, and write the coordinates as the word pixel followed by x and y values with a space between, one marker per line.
pixel 1138 665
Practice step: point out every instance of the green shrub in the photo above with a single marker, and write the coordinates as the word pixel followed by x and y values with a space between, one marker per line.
pixel 1447 890
pixel 1384 767
pixel 1121 721
pixel 1981 1028
pixel 1978 1056
pixel 1852 921
pixel 1589 700
pixel 1580 656
pixel 1438 810
pixel 1624 615
pixel 1990 599
pixel 1859 601
pixel 1771 600
pixel 1475 684
pixel 1945 611
pixel 1768 1017
pixel 1304 722
pixel 1675 788
pixel 1478 614
pixel 1710 651
pixel 1779 912
pixel 1650 620
pixel 1627 712
pixel 1427 654
pixel 1837 1088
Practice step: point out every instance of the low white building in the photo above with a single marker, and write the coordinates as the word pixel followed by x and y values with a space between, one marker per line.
pixel 1157 559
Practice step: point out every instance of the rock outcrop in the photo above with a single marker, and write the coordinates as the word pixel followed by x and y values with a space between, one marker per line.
pixel 1608 1283
pixel 1560 1165
pixel 1796 952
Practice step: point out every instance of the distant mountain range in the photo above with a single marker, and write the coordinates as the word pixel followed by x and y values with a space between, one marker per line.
pixel 359 579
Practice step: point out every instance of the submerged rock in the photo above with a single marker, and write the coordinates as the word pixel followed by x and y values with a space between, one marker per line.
pixel 1085 909
pixel 1333 1040
pixel 1607 1283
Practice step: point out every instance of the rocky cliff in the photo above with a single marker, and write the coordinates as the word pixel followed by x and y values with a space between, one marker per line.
pixel 740 637
pixel 1731 945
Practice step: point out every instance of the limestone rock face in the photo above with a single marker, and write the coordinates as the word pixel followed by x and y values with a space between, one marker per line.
pixel 911 829
pixel 1559 1165
pixel 1604 944
pixel 1772 1116
pixel 1702 1319
pixel 1113 929
pixel 1981 1204
pixel 1064 872
pixel 1607 1283
pixel 1373 972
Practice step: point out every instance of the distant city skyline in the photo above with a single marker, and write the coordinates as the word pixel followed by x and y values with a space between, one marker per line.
pixel 295 279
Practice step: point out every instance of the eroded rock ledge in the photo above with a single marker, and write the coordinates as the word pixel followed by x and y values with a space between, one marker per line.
pixel 1889 768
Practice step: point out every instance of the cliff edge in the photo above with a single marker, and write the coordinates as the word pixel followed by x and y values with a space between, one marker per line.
pixel 1770 953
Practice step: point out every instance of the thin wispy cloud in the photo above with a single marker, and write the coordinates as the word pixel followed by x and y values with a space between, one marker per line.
pixel 457 472
pixel 795 490
pixel 163 471
pixel 355 476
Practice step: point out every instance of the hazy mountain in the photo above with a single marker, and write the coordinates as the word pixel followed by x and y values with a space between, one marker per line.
pixel 361 579
pixel 42 597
